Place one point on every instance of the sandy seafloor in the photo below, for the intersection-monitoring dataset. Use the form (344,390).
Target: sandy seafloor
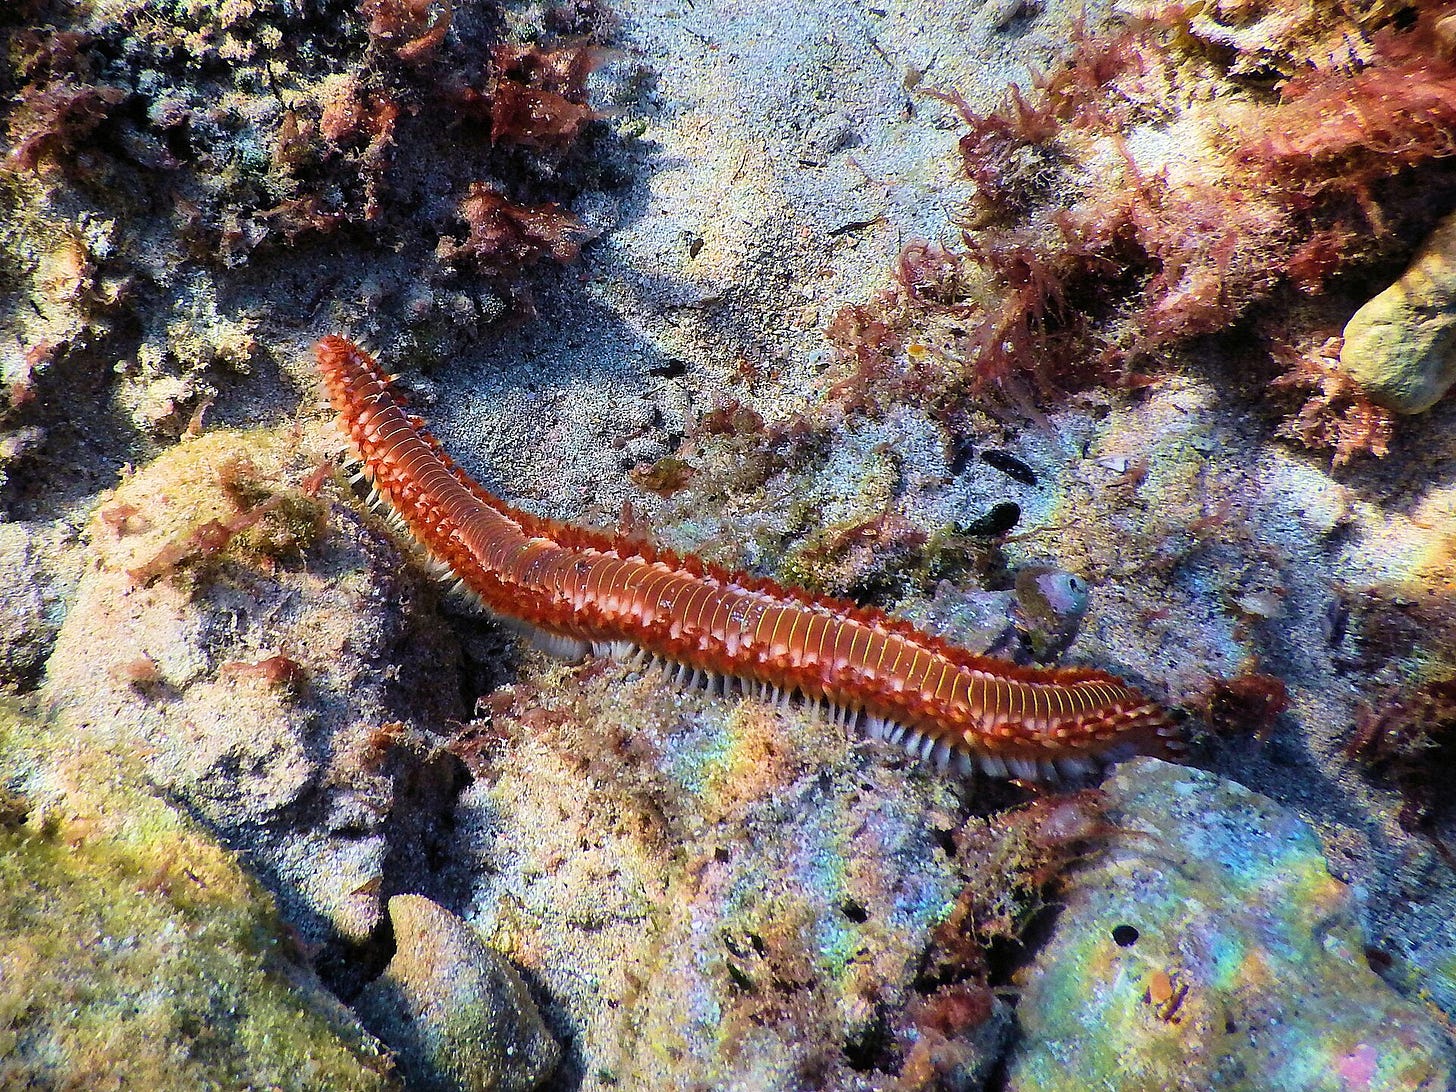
(767,163)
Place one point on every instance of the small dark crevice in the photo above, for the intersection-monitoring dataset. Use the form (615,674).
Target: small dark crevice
(874,1048)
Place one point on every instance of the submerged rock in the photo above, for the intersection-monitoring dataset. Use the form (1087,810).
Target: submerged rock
(261,646)
(456,1012)
(36,576)
(1209,947)
(1401,346)
(715,892)
(136,953)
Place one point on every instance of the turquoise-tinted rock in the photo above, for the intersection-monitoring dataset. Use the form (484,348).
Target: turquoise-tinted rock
(1210,948)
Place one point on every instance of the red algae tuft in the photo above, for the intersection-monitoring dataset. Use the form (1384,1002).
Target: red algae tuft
(1089,256)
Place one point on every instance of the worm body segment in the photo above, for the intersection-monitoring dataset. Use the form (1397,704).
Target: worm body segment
(585,588)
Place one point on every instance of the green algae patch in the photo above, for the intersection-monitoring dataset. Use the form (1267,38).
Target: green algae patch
(137,953)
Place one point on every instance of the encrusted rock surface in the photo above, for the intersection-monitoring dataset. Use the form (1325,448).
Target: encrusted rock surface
(136,952)
(1209,947)
(712,891)
(37,573)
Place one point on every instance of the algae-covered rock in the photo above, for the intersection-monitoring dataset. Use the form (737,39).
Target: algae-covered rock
(1209,948)
(260,644)
(456,1012)
(135,953)
(1401,346)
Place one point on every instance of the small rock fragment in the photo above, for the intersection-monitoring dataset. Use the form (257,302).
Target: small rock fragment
(455,1010)
(1401,346)
(1048,607)
(36,576)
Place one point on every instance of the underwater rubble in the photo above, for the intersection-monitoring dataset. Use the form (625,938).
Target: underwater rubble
(1114,336)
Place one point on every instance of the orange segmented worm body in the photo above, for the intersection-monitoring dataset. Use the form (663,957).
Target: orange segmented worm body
(587,589)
